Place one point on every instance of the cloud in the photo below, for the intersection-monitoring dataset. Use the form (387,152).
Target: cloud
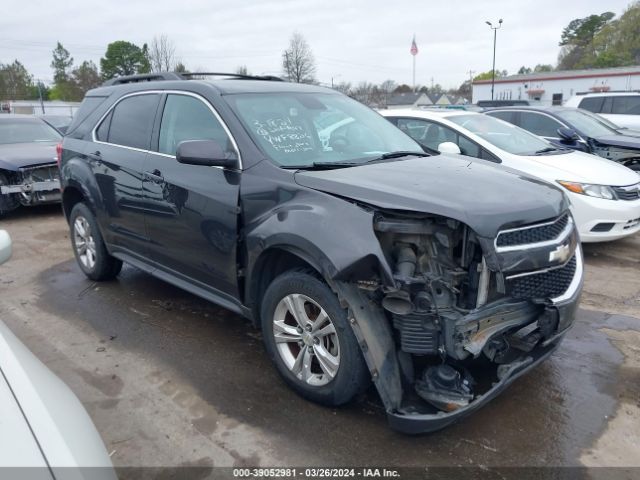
(352,41)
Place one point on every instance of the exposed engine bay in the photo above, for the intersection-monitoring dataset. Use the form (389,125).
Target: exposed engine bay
(29,186)
(452,315)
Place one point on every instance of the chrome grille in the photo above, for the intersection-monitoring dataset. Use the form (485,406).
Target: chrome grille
(545,284)
(630,192)
(533,233)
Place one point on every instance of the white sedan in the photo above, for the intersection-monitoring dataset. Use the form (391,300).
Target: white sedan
(45,432)
(605,196)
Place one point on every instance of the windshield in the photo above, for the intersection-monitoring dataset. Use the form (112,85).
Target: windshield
(26,131)
(303,129)
(503,135)
(585,123)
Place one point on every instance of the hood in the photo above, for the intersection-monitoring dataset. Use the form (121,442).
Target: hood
(17,155)
(624,141)
(481,194)
(583,167)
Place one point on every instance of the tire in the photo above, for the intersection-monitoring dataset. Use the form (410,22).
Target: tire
(337,371)
(635,166)
(88,245)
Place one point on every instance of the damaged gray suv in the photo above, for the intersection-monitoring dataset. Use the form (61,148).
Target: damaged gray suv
(441,278)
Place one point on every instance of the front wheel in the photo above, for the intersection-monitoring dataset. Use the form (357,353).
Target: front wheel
(88,245)
(308,337)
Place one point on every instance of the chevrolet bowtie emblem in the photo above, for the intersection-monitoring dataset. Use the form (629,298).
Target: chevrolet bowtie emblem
(560,254)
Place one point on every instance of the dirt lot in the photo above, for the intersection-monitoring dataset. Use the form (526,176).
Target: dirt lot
(171,380)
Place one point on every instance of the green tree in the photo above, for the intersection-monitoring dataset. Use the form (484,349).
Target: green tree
(487,75)
(524,70)
(61,63)
(123,58)
(578,41)
(15,82)
(84,78)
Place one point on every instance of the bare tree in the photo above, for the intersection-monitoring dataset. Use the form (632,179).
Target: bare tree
(297,60)
(162,54)
(343,87)
(242,70)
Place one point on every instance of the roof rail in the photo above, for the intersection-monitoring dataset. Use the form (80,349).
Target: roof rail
(143,77)
(240,76)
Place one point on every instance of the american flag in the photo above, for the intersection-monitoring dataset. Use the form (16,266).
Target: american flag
(414,47)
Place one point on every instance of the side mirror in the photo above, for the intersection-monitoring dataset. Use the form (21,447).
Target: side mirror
(208,153)
(449,147)
(567,134)
(5,246)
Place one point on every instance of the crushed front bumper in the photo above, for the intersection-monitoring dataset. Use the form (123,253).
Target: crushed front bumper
(34,185)
(563,309)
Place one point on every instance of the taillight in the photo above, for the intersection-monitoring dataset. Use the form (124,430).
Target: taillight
(59,153)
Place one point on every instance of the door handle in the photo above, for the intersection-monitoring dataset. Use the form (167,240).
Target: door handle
(155,176)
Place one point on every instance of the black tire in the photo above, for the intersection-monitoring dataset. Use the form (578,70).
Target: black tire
(105,267)
(352,377)
(635,166)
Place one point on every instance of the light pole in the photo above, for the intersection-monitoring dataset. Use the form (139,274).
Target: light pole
(493,70)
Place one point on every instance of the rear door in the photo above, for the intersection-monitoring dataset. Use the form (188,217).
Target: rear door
(122,141)
(192,210)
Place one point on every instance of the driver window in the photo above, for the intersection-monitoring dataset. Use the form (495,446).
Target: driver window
(188,118)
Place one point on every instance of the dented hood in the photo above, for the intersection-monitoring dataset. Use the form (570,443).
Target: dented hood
(18,155)
(623,141)
(483,195)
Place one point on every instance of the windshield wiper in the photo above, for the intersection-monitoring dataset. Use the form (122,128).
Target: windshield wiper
(351,163)
(545,150)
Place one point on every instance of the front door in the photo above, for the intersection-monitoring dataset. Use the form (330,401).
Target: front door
(191,210)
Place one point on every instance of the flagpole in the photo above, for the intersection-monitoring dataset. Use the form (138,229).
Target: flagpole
(414,73)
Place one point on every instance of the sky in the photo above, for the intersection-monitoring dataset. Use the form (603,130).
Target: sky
(352,40)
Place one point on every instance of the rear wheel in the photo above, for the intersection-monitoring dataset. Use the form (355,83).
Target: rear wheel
(309,339)
(88,246)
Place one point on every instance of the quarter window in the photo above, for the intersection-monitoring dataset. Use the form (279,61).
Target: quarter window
(188,118)
(132,121)
(624,105)
(539,124)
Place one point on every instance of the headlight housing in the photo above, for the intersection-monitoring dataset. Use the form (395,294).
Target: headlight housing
(597,191)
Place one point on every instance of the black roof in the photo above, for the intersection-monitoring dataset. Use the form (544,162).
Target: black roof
(230,86)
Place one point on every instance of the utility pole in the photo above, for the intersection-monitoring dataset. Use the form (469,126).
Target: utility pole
(493,70)
(40,95)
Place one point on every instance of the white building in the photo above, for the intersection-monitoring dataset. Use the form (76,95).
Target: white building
(34,107)
(554,88)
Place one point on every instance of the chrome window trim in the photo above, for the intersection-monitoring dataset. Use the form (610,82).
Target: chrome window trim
(546,243)
(172,92)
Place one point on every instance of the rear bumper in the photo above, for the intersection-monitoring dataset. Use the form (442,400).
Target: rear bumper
(562,308)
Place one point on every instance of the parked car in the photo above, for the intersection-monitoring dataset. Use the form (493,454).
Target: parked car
(576,129)
(500,103)
(59,122)
(622,108)
(440,278)
(28,171)
(45,431)
(605,196)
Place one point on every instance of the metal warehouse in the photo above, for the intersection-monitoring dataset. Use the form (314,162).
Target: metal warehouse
(554,88)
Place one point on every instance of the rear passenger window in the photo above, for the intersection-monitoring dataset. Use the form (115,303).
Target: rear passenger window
(539,124)
(593,104)
(506,116)
(132,121)
(189,118)
(626,105)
